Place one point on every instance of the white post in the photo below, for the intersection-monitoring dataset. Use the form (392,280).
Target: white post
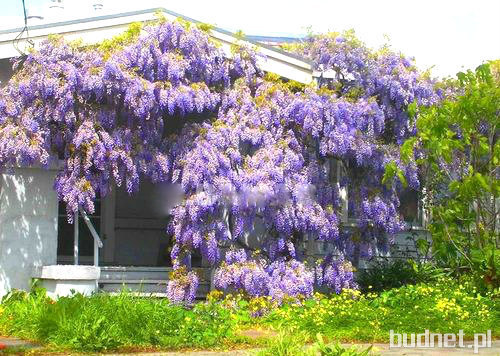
(75,236)
(344,198)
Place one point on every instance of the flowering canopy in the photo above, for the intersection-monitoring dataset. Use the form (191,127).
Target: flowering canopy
(246,148)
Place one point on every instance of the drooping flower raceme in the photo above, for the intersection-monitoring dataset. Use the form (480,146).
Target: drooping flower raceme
(182,286)
(256,278)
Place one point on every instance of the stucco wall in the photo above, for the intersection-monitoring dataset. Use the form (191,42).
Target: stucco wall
(28,225)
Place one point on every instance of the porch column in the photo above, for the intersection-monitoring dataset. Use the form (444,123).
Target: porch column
(28,225)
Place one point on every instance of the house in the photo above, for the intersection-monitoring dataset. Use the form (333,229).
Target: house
(124,241)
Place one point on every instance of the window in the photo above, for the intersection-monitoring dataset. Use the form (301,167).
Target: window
(336,173)
(410,207)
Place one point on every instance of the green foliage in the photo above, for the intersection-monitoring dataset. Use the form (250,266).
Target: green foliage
(442,306)
(104,322)
(286,344)
(386,274)
(461,155)
(391,171)
(339,350)
(109,46)
(205,27)
(291,84)
(109,323)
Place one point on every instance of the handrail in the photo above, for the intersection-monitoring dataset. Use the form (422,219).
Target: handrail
(97,240)
(94,233)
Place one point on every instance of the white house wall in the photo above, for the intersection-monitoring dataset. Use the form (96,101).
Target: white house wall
(28,225)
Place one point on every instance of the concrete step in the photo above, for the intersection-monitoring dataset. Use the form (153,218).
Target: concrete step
(134,281)
(127,273)
(145,287)
(145,281)
(133,275)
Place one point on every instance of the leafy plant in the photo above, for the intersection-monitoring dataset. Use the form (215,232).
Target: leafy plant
(339,350)
(459,156)
(444,305)
(287,344)
(387,273)
(164,103)
(103,322)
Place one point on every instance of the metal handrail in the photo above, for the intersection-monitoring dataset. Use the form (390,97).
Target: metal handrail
(94,233)
(97,240)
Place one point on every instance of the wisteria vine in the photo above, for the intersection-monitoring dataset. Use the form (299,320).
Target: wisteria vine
(260,164)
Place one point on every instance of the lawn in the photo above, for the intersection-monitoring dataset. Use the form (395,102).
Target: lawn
(113,323)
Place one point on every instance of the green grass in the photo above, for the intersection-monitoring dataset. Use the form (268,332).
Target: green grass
(286,344)
(104,323)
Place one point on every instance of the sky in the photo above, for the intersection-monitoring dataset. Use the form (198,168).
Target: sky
(445,35)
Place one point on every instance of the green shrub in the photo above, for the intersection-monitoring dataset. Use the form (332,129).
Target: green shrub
(385,274)
(459,155)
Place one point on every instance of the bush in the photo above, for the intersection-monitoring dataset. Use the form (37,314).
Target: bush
(385,274)
(459,155)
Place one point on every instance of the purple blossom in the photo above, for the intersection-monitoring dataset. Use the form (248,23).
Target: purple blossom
(250,156)
(182,286)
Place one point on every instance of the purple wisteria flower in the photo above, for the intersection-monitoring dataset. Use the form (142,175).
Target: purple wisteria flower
(182,286)
(250,155)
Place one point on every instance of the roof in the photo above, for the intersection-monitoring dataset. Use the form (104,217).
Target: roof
(94,29)
(274,39)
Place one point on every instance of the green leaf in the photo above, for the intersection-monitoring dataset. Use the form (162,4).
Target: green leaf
(412,109)
(402,178)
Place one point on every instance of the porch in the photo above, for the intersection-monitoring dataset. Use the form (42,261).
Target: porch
(126,237)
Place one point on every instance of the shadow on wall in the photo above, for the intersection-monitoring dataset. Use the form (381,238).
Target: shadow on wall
(28,225)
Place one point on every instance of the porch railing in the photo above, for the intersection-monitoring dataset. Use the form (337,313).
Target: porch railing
(93,232)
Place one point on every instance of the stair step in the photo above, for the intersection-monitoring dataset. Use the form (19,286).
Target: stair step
(147,288)
(134,281)
(140,294)
(145,281)
(143,273)
(151,295)
(105,275)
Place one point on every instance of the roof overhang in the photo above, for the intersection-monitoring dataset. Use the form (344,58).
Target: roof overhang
(95,29)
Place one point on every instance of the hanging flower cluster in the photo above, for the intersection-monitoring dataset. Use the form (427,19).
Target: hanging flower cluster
(256,278)
(248,153)
(335,274)
(182,286)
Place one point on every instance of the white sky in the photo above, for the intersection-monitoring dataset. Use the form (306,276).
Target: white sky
(448,34)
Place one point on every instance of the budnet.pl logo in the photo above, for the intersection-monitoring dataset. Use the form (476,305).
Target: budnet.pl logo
(430,340)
